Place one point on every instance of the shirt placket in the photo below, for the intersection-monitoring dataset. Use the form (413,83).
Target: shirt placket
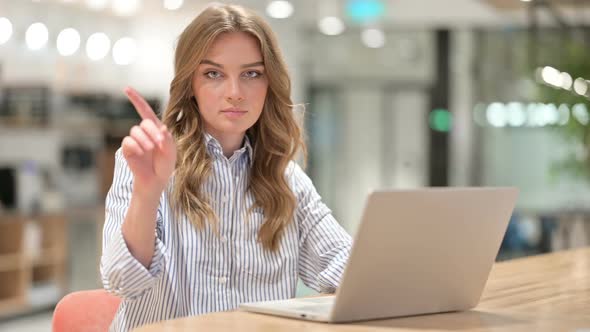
(224,278)
(235,213)
(230,205)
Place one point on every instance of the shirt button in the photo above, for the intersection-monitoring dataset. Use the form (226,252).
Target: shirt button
(224,199)
(223,239)
(222,280)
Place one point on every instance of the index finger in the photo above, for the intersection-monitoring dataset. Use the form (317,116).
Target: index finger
(141,106)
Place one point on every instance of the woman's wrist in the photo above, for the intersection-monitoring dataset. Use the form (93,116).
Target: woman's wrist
(147,192)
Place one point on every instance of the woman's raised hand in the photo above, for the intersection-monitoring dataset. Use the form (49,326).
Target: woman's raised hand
(150,149)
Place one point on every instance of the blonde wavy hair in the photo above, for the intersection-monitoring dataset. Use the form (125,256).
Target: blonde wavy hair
(276,137)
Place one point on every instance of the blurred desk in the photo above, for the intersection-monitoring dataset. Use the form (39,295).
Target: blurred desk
(542,293)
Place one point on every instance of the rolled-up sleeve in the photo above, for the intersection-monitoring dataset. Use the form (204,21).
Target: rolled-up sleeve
(324,246)
(121,273)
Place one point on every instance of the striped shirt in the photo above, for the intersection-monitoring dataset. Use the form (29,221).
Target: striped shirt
(194,272)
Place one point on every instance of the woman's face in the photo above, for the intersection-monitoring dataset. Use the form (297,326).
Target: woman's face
(230,84)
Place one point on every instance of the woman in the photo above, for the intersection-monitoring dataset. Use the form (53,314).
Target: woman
(207,209)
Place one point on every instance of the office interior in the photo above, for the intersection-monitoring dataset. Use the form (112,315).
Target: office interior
(394,94)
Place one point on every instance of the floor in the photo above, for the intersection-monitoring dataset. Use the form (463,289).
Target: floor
(38,322)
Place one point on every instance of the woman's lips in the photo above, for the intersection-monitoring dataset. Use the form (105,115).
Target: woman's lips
(233,112)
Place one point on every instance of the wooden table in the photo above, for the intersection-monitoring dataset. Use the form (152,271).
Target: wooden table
(542,293)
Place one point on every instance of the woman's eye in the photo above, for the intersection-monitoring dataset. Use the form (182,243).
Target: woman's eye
(213,74)
(252,74)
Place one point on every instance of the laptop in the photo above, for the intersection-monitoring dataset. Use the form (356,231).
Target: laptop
(415,252)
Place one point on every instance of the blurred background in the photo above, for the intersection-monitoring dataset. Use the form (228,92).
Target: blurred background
(396,93)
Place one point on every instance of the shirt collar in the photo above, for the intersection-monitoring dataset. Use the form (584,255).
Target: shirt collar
(214,145)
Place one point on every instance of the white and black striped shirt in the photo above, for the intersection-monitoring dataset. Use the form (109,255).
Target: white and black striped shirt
(195,272)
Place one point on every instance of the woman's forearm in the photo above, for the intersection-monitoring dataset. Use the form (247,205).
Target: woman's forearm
(140,224)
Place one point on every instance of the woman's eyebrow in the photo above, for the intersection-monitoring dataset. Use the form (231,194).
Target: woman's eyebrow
(253,64)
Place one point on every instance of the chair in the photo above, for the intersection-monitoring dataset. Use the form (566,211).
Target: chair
(85,311)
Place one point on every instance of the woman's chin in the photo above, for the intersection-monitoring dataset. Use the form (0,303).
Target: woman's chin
(232,128)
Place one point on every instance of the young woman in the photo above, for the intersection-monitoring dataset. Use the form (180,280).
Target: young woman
(207,208)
